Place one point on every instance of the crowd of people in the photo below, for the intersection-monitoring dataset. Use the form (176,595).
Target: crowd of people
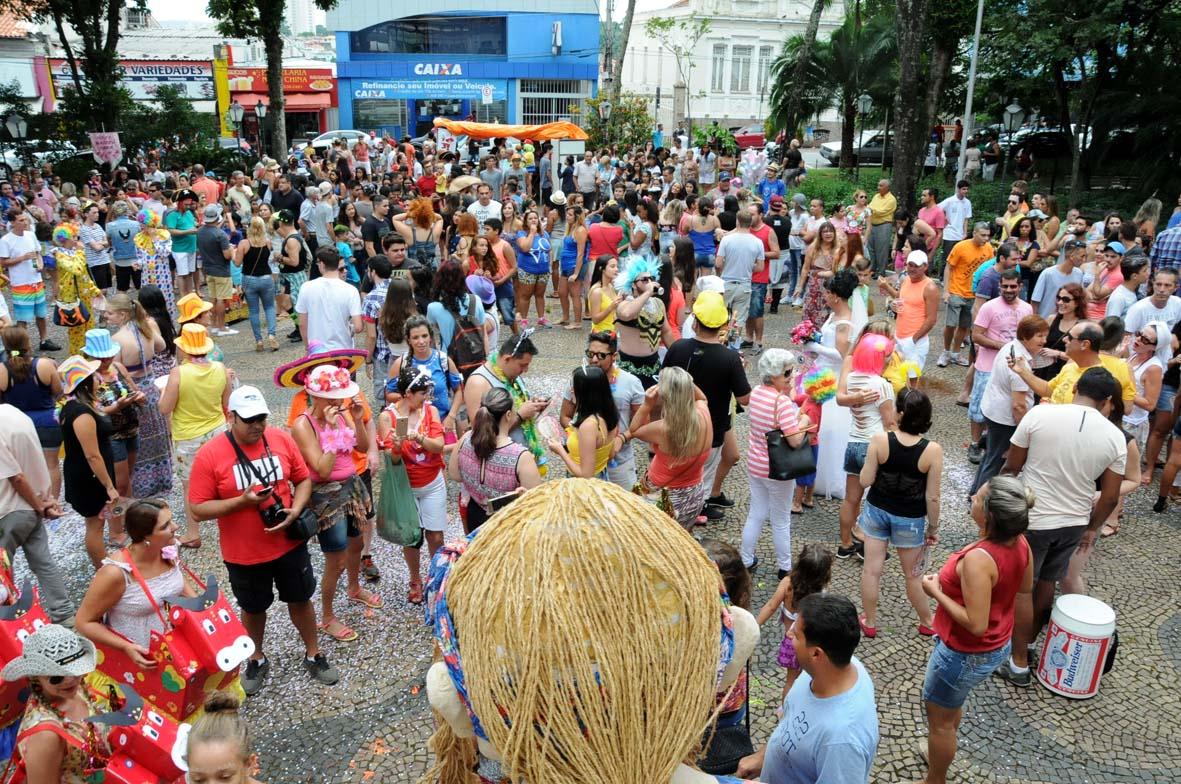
(396,263)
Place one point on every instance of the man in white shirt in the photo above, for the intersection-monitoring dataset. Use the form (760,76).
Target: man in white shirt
(1052,279)
(1060,452)
(586,179)
(740,255)
(957,208)
(20,254)
(707,166)
(329,308)
(240,196)
(1163,305)
(485,206)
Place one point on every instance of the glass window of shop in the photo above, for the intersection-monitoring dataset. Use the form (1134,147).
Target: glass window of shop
(434,35)
(379,113)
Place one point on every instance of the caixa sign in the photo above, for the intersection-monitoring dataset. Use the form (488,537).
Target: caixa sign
(438,69)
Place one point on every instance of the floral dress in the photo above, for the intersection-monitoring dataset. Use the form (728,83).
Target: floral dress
(87,751)
(152,249)
(74,283)
(815,305)
(153,463)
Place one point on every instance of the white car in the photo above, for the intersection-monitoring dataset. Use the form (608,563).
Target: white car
(325,140)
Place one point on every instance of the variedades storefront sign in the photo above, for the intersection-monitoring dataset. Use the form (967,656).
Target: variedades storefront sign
(143,78)
(438,87)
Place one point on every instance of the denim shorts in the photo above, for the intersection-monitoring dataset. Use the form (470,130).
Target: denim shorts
(1165,401)
(902,532)
(758,300)
(979,384)
(704,260)
(121,446)
(855,456)
(335,538)
(951,675)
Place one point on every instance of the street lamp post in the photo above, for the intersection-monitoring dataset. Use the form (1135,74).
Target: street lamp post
(605,108)
(260,111)
(864,105)
(1014,116)
(18,129)
(236,113)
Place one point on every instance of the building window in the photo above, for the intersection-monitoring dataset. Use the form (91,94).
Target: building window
(434,35)
(380,113)
(717,82)
(740,69)
(550,100)
(490,112)
(764,69)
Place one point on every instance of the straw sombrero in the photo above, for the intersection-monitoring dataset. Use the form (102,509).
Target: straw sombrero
(291,375)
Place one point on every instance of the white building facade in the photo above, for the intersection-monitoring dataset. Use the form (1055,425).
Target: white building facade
(730,78)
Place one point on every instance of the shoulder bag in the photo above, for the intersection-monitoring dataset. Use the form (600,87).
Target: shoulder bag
(783,460)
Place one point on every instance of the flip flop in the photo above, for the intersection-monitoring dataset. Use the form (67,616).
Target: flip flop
(342,634)
(191,544)
(367,598)
(1109,530)
(572,326)
(797,511)
(807,506)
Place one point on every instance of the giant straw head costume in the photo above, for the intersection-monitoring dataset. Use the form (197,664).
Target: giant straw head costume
(585,637)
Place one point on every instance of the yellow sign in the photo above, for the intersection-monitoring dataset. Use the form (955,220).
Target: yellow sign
(221,85)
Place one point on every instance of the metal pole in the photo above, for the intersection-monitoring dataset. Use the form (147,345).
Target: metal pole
(860,142)
(971,90)
(886,141)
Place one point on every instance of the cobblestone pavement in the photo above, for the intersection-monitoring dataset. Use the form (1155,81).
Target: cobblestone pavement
(374,725)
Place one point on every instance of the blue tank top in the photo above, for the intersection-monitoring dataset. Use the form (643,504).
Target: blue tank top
(569,254)
(31,397)
(436,363)
(704,243)
(536,261)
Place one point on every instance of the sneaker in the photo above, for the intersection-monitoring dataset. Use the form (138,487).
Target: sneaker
(785,299)
(746,344)
(754,566)
(369,569)
(713,513)
(226,332)
(847,552)
(944,358)
(1006,673)
(975,454)
(320,670)
(254,675)
(756,350)
(720,500)
(797,303)
(49,345)
(960,360)
(543,323)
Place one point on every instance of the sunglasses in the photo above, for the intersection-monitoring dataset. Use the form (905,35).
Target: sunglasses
(598,355)
(645,279)
(1014,202)
(254,420)
(1065,299)
(1145,338)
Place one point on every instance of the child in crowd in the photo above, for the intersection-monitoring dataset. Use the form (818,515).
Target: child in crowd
(344,247)
(812,387)
(809,574)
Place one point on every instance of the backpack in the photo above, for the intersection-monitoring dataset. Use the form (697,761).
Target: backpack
(467,344)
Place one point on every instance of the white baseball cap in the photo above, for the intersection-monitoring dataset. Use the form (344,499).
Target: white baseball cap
(248,402)
(710,283)
(918,258)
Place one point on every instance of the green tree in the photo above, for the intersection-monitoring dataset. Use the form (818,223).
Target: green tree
(261,20)
(629,125)
(679,36)
(93,57)
(796,85)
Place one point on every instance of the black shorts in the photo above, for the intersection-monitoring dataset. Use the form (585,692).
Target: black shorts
(291,573)
(1052,551)
(50,437)
(101,275)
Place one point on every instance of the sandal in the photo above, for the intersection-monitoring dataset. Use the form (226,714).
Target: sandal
(1109,530)
(807,506)
(342,633)
(414,596)
(572,326)
(797,510)
(191,544)
(367,598)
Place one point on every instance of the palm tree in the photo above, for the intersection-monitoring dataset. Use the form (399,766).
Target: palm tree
(838,70)
(795,94)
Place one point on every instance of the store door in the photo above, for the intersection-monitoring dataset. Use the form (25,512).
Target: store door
(425,112)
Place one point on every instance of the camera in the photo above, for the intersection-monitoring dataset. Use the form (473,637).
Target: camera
(273,514)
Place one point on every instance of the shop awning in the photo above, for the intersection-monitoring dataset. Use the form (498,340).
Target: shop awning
(296,102)
(547,131)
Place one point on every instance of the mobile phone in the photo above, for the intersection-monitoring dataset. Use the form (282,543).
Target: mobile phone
(501,501)
(264,492)
(401,426)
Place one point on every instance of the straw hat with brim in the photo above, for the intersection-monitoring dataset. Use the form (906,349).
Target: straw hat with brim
(194,340)
(99,345)
(292,374)
(558,198)
(75,370)
(462,183)
(49,651)
(191,306)
(330,383)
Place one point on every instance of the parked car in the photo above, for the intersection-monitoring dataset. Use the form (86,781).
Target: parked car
(750,136)
(325,140)
(831,151)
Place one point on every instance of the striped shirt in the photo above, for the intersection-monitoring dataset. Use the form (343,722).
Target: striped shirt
(769,409)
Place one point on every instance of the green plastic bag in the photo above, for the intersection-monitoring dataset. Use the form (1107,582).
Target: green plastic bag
(397,513)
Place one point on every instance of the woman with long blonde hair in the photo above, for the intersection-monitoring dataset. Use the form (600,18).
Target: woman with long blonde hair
(253,256)
(680,441)
(821,258)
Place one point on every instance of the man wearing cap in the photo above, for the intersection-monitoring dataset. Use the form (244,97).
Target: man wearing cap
(1052,279)
(881,230)
(718,373)
(378,361)
(26,499)
(771,186)
(236,486)
(182,226)
(958,296)
(916,302)
(720,191)
(740,256)
(214,251)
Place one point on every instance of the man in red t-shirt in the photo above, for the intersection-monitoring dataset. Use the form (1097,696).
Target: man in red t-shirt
(236,491)
(760,280)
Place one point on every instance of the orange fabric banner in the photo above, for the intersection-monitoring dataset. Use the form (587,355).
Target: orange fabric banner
(548,131)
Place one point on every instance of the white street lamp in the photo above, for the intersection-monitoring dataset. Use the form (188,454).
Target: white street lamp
(17,127)
(1014,116)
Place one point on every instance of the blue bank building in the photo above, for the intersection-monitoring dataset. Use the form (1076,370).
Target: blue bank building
(511,61)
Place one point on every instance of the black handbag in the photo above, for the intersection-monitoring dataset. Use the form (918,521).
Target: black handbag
(785,461)
(303,527)
(729,744)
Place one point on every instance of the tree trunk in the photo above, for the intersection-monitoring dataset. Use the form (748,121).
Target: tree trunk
(942,53)
(805,56)
(910,22)
(625,33)
(273,42)
(848,123)
(1062,96)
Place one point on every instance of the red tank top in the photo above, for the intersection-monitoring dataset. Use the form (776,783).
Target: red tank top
(762,233)
(1011,561)
(604,240)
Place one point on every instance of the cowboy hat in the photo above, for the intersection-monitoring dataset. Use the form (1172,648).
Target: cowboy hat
(292,374)
(49,651)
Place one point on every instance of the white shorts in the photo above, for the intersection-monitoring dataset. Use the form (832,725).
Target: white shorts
(186,263)
(915,352)
(432,504)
